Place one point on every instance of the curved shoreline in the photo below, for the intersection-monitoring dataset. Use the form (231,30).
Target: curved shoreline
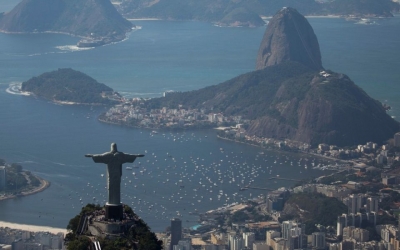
(283,151)
(107,40)
(16,90)
(43,185)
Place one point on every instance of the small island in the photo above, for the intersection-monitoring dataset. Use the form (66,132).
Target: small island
(68,86)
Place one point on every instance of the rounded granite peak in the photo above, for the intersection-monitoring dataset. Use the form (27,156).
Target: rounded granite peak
(289,37)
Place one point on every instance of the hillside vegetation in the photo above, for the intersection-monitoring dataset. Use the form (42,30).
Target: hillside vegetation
(68,85)
(313,209)
(292,101)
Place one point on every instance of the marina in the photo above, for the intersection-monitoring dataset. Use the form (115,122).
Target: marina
(50,139)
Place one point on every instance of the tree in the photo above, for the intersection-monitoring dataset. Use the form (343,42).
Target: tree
(16,168)
(239,216)
(80,243)
(73,223)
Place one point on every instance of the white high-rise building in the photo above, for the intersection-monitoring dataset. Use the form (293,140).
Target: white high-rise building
(271,235)
(318,240)
(249,239)
(184,244)
(238,243)
(341,223)
(260,246)
(286,227)
(56,242)
(397,139)
(290,229)
(3,180)
(373,204)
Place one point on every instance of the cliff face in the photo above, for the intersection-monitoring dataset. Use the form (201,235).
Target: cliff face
(88,18)
(289,37)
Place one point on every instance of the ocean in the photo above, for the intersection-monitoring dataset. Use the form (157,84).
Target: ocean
(50,140)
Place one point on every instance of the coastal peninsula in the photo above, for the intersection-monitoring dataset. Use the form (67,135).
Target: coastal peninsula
(97,22)
(17,182)
(68,86)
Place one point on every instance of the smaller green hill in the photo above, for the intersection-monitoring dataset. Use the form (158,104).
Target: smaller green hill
(313,208)
(70,86)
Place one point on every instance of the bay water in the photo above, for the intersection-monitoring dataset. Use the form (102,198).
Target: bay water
(182,172)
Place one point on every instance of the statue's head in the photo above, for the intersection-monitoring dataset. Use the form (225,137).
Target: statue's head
(114,147)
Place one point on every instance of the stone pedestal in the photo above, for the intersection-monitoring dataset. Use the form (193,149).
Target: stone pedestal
(114,212)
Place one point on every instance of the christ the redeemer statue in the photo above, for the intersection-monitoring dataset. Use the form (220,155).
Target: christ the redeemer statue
(114,160)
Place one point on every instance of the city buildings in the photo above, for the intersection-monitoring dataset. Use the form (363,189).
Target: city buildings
(176,232)
(184,244)
(14,239)
(249,239)
(318,240)
(397,139)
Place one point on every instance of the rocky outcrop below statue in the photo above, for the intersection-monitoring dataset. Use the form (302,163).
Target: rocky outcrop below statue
(289,37)
(225,12)
(91,230)
(68,86)
(95,20)
(294,98)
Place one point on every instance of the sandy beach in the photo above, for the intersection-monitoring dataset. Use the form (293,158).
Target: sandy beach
(144,19)
(33,228)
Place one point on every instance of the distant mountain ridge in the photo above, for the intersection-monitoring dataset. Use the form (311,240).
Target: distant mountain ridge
(292,99)
(92,19)
(219,11)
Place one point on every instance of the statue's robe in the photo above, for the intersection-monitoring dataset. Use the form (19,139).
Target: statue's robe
(114,161)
